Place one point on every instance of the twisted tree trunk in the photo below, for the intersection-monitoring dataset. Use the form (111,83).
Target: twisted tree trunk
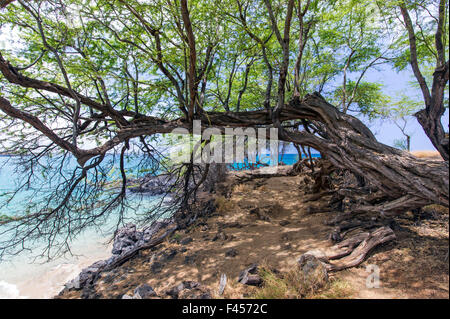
(407,181)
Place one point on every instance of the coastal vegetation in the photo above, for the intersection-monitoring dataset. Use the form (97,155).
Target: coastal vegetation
(92,91)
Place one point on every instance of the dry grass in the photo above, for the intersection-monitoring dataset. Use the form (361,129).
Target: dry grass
(336,289)
(274,287)
(427,154)
(437,208)
(242,188)
(293,285)
(224,205)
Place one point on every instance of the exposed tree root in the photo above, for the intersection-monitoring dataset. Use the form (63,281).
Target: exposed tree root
(352,251)
(357,255)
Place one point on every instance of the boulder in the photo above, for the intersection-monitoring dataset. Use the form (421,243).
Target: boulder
(313,270)
(126,237)
(189,290)
(144,291)
(86,276)
(249,276)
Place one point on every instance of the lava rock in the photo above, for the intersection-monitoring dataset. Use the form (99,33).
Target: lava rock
(284,222)
(126,237)
(88,292)
(189,290)
(186,241)
(313,270)
(153,185)
(249,276)
(86,276)
(144,291)
(231,252)
(190,259)
(156,267)
(155,227)
(168,255)
(261,214)
(220,235)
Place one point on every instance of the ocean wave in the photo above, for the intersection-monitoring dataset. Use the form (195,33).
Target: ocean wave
(9,291)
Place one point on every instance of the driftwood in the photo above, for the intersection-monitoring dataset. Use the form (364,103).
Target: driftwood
(223,283)
(378,237)
(345,247)
(352,252)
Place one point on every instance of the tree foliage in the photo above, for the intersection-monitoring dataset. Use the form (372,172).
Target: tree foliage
(91,79)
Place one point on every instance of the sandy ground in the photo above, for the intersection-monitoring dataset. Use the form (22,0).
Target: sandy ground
(427,154)
(413,266)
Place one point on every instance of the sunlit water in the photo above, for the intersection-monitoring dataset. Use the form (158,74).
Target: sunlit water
(24,277)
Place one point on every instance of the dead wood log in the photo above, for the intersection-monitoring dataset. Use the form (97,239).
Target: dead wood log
(345,247)
(223,283)
(358,254)
(352,252)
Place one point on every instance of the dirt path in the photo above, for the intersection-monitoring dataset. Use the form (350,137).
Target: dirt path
(265,221)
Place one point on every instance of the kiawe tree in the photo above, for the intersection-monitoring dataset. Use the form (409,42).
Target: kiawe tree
(426,46)
(117,74)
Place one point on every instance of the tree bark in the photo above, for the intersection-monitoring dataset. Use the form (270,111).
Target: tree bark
(409,182)
(352,252)
(430,117)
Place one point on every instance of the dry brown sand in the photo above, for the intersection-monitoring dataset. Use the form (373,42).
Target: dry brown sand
(413,266)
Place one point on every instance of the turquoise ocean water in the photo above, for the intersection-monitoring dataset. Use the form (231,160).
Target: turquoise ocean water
(24,277)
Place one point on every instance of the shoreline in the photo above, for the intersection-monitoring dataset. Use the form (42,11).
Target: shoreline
(23,279)
(258,223)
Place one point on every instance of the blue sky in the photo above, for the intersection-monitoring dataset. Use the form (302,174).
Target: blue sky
(394,84)
(386,131)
